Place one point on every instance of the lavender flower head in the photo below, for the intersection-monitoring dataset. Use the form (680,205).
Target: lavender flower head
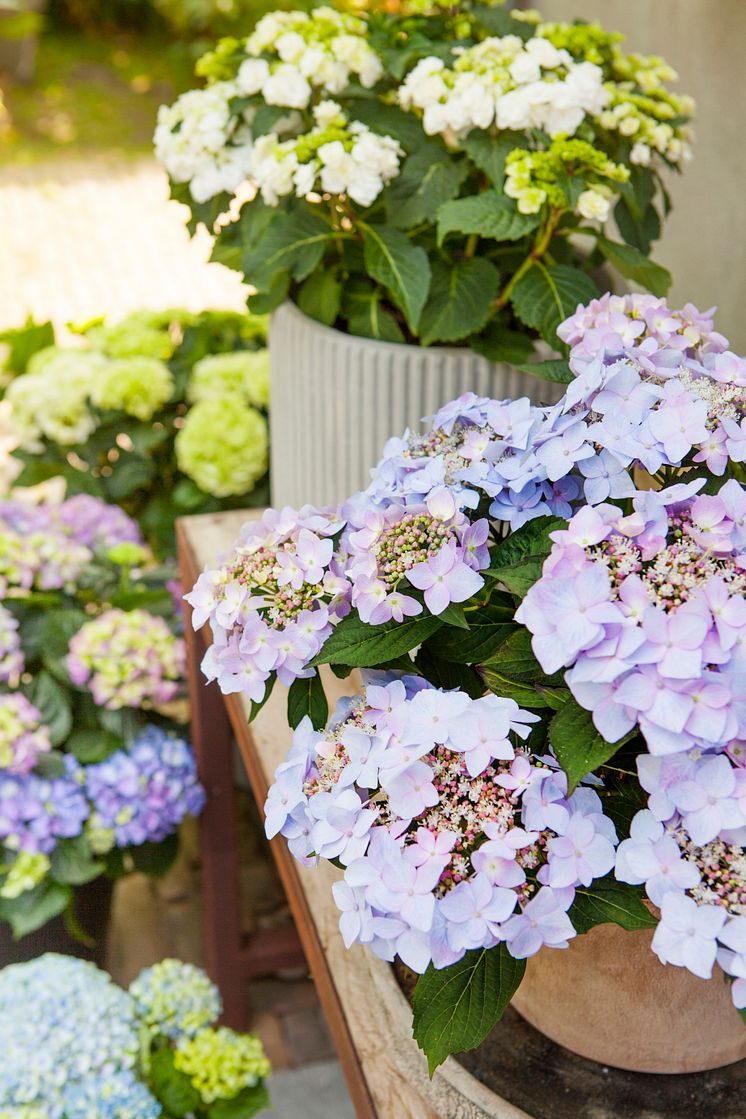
(35,812)
(11,653)
(35,551)
(127,659)
(275,601)
(452,834)
(142,794)
(96,524)
(24,736)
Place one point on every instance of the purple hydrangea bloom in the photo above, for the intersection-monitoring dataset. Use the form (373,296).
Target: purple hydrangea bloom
(142,794)
(36,812)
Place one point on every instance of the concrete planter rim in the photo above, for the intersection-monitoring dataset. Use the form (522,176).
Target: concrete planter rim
(378,344)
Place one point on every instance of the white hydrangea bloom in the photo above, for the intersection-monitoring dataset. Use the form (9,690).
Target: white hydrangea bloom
(593,205)
(286,86)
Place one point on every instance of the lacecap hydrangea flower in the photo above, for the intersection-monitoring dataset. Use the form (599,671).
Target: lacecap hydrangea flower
(11,653)
(139,386)
(223,445)
(175,999)
(241,373)
(24,736)
(143,793)
(127,659)
(452,834)
(274,603)
(221,1063)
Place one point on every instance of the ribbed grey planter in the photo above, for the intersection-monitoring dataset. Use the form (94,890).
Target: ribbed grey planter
(336,399)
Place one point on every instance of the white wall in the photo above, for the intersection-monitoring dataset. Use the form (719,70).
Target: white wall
(705,236)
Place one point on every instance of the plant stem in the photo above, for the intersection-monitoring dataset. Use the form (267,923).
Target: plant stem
(471,245)
(542,243)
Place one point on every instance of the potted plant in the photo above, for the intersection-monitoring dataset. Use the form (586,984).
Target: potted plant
(95,773)
(132,414)
(148,1052)
(421,198)
(547,603)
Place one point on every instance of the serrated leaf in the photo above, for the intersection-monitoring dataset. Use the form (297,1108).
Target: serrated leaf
(500,344)
(307,697)
(448,674)
(456,1007)
(460,300)
(638,231)
(429,177)
(320,297)
(515,659)
(266,300)
(173,1088)
(294,242)
(388,120)
(91,746)
(557,371)
(548,294)
(359,645)
(490,152)
(499,21)
(245,1105)
(635,265)
(578,746)
(402,268)
(607,901)
(489,214)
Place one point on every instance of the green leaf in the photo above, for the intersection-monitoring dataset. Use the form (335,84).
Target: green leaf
(256,707)
(518,561)
(743,1014)
(548,294)
(454,615)
(355,643)
(173,1088)
(265,119)
(51,699)
(638,231)
(499,21)
(388,120)
(246,1104)
(50,766)
(307,697)
(35,908)
(460,300)
(447,674)
(579,747)
(271,296)
(489,153)
(500,344)
(402,268)
(91,746)
(489,214)
(141,598)
(129,475)
(557,371)
(428,178)
(320,297)
(293,242)
(155,859)
(525,695)
(635,265)
(488,628)
(366,318)
(73,862)
(456,1007)
(515,659)
(24,341)
(607,901)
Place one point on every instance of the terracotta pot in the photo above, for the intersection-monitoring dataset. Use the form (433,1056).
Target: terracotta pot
(608,998)
(336,399)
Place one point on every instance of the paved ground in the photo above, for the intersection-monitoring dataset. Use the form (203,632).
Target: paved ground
(85,238)
(315,1092)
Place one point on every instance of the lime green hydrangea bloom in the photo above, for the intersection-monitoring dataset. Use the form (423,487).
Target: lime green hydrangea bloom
(139,386)
(223,446)
(26,872)
(535,178)
(50,401)
(243,373)
(221,1063)
(139,335)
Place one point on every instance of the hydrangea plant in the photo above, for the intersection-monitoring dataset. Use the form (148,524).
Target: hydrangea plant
(79,1046)
(435,175)
(133,414)
(95,773)
(547,604)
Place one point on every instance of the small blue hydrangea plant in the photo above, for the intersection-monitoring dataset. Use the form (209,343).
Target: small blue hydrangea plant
(76,1046)
(547,604)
